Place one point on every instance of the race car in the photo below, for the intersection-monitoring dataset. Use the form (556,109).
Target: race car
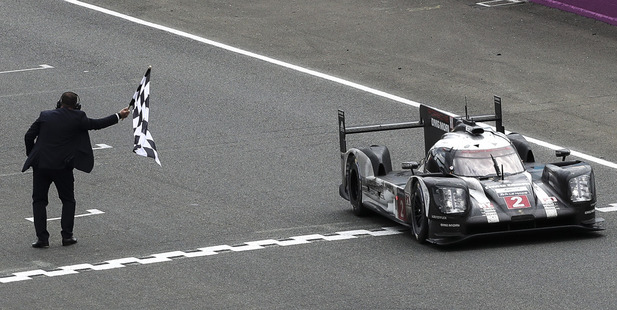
(473,181)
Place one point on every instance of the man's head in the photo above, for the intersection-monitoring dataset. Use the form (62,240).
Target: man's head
(70,100)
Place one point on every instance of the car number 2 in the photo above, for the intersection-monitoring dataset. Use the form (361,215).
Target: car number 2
(517,202)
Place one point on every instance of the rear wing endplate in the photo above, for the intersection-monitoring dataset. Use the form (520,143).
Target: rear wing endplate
(434,121)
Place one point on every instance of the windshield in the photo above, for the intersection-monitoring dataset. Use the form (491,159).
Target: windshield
(485,163)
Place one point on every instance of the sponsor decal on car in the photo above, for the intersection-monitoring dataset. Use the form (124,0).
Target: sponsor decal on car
(449,225)
(486,207)
(440,125)
(512,191)
(548,202)
(490,212)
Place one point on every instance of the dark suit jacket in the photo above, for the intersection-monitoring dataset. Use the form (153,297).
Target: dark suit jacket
(62,139)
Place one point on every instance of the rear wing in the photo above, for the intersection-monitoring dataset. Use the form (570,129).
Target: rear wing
(434,121)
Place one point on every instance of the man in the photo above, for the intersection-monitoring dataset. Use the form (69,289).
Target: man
(62,143)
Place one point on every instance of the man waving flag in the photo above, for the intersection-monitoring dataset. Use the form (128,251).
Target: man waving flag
(144,144)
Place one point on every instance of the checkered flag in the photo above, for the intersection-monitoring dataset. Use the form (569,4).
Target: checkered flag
(144,145)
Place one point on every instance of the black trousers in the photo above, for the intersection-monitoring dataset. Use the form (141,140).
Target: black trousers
(65,184)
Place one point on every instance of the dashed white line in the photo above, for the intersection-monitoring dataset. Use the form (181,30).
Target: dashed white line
(200,252)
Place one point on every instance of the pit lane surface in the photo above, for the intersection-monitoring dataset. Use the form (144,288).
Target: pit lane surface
(249,152)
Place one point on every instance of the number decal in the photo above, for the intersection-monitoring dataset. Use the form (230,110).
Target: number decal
(400,206)
(517,202)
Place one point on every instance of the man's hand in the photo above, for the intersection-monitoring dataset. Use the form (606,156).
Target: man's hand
(124,113)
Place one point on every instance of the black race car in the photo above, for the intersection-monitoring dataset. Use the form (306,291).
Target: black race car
(474,180)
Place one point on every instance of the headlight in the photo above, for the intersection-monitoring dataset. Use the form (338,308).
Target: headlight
(451,200)
(581,188)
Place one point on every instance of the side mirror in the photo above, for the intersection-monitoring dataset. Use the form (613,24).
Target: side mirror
(411,165)
(563,153)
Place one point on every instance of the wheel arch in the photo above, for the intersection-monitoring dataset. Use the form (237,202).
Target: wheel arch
(418,221)
(356,157)
(425,193)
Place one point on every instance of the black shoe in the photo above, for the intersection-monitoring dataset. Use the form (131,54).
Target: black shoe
(40,244)
(69,241)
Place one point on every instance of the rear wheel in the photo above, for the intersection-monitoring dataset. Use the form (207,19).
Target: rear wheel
(419,222)
(354,188)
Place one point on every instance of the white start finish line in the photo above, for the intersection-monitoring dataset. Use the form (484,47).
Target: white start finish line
(201,252)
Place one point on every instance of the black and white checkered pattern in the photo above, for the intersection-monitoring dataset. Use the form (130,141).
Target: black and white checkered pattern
(201,252)
(144,144)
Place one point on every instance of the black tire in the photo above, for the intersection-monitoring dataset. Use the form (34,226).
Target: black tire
(419,222)
(354,188)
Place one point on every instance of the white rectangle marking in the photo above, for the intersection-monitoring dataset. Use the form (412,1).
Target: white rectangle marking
(101,146)
(90,212)
(494,3)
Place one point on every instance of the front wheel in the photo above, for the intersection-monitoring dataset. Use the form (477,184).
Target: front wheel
(354,187)
(419,222)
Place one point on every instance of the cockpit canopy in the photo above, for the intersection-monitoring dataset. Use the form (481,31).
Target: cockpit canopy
(485,154)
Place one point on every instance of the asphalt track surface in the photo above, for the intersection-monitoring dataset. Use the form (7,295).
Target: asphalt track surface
(244,212)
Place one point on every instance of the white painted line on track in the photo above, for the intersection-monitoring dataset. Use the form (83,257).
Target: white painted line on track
(90,212)
(494,3)
(100,146)
(309,72)
(40,67)
(584,156)
(15,173)
(201,252)
(612,208)
(246,53)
